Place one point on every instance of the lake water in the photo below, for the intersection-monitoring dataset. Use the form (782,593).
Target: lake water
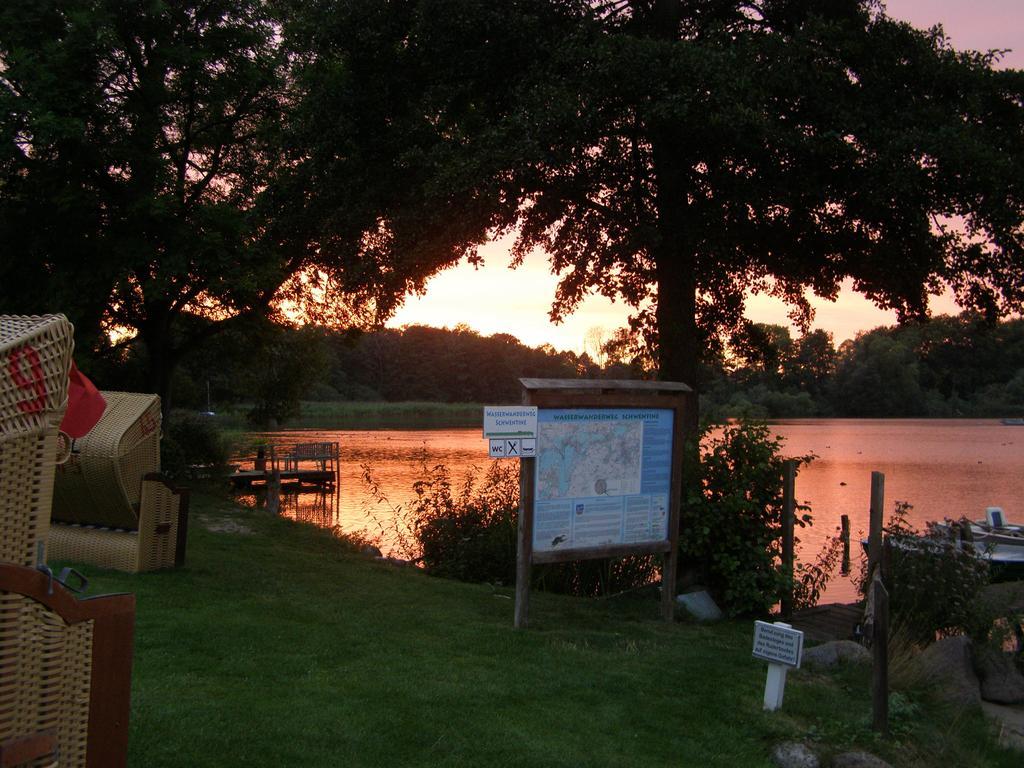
(944,468)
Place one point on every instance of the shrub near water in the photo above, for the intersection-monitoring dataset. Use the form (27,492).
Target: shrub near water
(470,533)
(190,440)
(730,532)
(935,585)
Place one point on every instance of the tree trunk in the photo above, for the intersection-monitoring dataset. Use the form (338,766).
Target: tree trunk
(161,358)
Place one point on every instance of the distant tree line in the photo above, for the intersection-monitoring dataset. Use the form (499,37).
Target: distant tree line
(949,366)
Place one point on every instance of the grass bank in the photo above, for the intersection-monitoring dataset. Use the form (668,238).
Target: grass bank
(279,645)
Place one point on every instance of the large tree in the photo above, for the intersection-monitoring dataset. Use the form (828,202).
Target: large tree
(704,150)
(681,155)
(138,142)
(171,168)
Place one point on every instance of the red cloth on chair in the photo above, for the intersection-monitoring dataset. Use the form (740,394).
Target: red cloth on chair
(85,405)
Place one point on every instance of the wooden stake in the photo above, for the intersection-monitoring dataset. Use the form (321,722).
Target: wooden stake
(844,536)
(877,509)
(880,668)
(788,522)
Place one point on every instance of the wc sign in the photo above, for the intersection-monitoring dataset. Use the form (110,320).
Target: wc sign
(513,448)
(511,430)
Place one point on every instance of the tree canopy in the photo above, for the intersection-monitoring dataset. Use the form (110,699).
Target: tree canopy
(681,155)
(167,167)
(170,169)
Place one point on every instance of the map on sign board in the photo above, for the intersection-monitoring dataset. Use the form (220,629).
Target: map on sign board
(603,477)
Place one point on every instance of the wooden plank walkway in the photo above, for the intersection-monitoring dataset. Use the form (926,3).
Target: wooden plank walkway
(247,478)
(834,621)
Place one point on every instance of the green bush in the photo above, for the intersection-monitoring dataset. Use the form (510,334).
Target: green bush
(189,441)
(934,584)
(731,525)
(468,533)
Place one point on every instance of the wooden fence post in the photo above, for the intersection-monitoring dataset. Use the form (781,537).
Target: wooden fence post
(274,485)
(788,521)
(877,509)
(844,535)
(880,653)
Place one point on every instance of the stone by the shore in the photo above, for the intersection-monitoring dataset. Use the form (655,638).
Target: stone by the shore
(370,550)
(699,604)
(1001,681)
(948,666)
(830,655)
(793,754)
(858,760)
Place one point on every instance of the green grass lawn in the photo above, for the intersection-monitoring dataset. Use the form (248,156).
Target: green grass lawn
(283,647)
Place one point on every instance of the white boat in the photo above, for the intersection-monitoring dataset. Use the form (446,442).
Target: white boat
(999,541)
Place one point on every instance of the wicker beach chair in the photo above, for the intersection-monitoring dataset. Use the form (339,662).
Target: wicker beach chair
(65,664)
(35,357)
(111,506)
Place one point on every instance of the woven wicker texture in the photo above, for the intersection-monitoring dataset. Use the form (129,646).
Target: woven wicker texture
(151,547)
(35,357)
(35,354)
(105,547)
(47,667)
(101,483)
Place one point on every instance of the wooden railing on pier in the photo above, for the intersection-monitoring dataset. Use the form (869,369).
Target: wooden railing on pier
(315,463)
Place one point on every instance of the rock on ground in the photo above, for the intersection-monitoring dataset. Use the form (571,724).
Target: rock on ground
(700,605)
(858,760)
(832,654)
(224,525)
(948,666)
(1001,681)
(793,754)
(1010,721)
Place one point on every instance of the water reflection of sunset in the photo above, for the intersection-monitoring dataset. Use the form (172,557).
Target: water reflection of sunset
(924,462)
(393,460)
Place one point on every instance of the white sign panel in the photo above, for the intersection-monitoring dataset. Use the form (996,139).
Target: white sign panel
(510,421)
(778,643)
(513,448)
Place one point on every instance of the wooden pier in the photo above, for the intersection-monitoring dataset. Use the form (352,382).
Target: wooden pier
(835,621)
(302,463)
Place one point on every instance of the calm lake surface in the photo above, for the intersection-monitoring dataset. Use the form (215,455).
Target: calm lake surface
(944,468)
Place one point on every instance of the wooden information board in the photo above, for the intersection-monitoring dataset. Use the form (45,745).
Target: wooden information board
(606,477)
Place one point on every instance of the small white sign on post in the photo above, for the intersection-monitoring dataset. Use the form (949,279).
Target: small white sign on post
(783,647)
(519,421)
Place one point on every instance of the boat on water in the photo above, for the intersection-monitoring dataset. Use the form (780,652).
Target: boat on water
(993,538)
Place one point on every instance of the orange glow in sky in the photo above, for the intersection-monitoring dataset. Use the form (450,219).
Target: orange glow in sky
(495,299)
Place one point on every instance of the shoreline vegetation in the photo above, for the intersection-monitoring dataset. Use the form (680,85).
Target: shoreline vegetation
(279,643)
(314,377)
(369,414)
(365,414)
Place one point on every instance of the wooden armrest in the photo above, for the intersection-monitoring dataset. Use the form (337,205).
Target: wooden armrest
(23,749)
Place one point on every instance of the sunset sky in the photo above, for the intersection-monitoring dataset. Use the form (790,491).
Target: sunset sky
(495,299)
